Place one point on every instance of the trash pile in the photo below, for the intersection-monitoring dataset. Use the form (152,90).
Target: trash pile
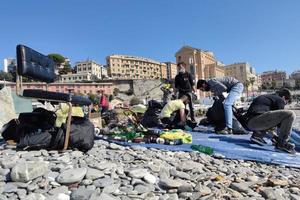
(124,126)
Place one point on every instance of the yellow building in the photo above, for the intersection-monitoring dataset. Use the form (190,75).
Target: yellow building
(133,67)
(171,70)
(243,72)
(201,64)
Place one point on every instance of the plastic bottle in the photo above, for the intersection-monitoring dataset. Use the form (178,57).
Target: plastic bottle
(203,149)
(160,141)
(173,142)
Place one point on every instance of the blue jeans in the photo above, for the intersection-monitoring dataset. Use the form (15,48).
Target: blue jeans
(234,93)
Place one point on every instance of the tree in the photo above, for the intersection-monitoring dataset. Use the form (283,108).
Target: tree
(273,85)
(247,83)
(57,58)
(297,86)
(252,81)
(6,76)
(61,61)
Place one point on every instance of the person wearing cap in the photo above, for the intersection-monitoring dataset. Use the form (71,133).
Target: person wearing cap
(266,112)
(184,85)
(218,86)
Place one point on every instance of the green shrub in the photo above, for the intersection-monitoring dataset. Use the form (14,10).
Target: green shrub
(134,101)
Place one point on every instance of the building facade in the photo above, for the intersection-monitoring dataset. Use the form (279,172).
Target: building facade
(269,78)
(9,64)
(78,88)
(85,71)
(296,75)
(171,70)
(242,72)
(201,64)
(133,67)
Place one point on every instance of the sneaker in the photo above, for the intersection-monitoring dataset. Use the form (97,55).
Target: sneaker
(225,131)
(258,140)
(287,147)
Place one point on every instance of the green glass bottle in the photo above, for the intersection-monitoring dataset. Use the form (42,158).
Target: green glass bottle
(203,149)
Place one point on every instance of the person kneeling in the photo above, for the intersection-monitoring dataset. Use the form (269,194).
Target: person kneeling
(266,112)
(173,115)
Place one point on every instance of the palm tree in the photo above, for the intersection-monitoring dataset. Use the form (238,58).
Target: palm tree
(252,81)
(246,84)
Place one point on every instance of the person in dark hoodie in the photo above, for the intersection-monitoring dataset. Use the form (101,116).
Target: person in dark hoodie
(266,112)
(184,85)
(218,86)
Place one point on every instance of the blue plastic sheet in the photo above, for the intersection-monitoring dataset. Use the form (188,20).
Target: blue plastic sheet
(237,147)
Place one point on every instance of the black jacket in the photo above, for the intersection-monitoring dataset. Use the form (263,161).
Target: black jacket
(265,103)
(184,82)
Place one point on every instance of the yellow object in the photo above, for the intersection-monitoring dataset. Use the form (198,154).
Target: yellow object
(177,134)
(219,178)
(62,114)
(171,107)
(138,108)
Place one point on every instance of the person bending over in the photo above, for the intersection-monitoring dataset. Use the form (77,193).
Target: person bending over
(265,113)
(218,86)
(173,115)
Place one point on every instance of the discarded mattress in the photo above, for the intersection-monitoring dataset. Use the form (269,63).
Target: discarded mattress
(235,147)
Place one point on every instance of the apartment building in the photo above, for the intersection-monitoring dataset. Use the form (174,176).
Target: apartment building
(243,72)
(85,71)
(133,67)
(171,70)
(269,78)
(201,64)
(9,64)
(296,75)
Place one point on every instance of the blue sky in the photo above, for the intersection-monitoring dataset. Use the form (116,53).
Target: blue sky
(265,33)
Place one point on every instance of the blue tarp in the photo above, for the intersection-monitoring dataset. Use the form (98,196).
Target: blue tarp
(237,147)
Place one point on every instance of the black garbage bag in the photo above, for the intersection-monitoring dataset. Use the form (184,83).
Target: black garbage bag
(216,116)
(151,116)
(38,120)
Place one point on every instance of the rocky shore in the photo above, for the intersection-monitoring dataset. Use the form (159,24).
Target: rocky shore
(110,171)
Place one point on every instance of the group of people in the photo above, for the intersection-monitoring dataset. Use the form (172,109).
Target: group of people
(266,112)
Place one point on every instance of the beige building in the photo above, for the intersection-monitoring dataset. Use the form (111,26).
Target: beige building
(296,75)
(132,67)
(270,78)
(85,71)
(71,78)
(171,70)
(243,72)
(89,66)
(201,64)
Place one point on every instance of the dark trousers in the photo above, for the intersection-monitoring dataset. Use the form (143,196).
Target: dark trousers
(191,108)
(278,118)
(173,121)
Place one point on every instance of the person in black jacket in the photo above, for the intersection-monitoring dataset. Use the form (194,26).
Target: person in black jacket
(266,112)
(184,85)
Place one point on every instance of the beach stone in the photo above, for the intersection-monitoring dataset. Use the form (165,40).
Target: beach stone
(137,173)
(71,176)
(93,174)
(144,188)
(149,178)
(103,182)
(105,196)
(111,188)
(59,190)
(82,194)
(60,196)
(169,183)
(26,171)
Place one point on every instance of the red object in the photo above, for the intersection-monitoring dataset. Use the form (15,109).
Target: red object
(103,101)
